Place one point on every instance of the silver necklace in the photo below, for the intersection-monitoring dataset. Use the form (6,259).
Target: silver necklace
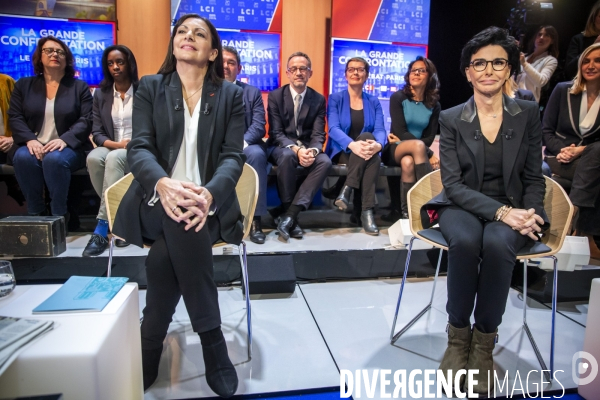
(186,99)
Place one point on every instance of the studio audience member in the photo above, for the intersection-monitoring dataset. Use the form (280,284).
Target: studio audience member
(572,139)
(356,136)
(255,148)
(492,202)
(7,85)
(186,164)
(111,131)
(296,137)
(582,41)
(414,111)
(51,119)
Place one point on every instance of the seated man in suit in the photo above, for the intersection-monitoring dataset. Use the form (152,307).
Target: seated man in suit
(254,147)
(296,136)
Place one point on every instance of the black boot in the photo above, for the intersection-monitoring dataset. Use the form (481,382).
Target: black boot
(395,204)
(422,169)
(150,363)
(368,222)
(256,234)
(332,191)
(220,372)
(404,188)
(343,198)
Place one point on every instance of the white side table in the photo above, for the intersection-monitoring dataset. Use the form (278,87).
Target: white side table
(86,356)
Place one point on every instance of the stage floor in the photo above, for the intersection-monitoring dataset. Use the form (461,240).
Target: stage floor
(302,341)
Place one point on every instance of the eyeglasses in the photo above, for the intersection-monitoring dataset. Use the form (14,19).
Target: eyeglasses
(48,51)
(418,71)
(498,64)
(352,70)
(303,70)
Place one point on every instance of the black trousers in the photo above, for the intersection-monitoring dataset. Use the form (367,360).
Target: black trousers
(287,161)
(179,264)
(362,174)
(585,189)
(481,259)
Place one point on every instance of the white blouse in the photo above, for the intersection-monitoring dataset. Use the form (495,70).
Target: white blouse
(48,131)
(121,114)
(535,75)
(587,118)
(186,166)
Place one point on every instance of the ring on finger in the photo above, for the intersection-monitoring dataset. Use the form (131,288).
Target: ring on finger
(173,209)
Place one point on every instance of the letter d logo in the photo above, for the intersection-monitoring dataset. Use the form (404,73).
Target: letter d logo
(584,368)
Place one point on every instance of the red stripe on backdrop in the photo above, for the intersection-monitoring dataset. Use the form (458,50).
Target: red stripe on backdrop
(276,22)
(353,20)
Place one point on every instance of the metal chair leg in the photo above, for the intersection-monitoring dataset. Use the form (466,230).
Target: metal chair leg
(244,265)
(395,337)
(548,372)
(110,256)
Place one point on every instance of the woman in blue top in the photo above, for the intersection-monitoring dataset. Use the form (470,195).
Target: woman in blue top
(356,136)
(414,111)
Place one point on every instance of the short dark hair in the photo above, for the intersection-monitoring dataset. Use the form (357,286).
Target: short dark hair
(233,51)
(358,59)
(215,72)
(298,54)
(553,33)
(492,36)
(432,88)
(132,71)
(36,59)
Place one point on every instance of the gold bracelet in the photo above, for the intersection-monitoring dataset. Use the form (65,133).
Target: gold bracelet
(498,213)
(505,212)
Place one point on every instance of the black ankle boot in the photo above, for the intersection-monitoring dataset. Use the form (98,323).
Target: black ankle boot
(332,191)
(220,372)
(343,198)
(404,188)
(368,222)
(150,363)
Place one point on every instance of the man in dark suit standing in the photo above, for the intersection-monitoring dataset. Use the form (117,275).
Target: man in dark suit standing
(254,147)
(296,136)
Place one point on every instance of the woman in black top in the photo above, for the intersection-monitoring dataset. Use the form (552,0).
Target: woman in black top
(492,202)
(582,41)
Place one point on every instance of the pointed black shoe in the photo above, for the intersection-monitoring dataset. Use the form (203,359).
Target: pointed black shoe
(296,232)
(256,234)
(332,192)
(368,222)
(150,363)
(220,372)
(121,243)
(286,223)
(343,199)
(95,246)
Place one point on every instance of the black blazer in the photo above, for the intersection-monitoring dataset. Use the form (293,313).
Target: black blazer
(254,114)
(282,128)
(158,124)
(72,111)
(462,160)
(561,121)
(103,126)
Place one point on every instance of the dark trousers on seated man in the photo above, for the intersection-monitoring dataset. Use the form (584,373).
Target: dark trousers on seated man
(294,201)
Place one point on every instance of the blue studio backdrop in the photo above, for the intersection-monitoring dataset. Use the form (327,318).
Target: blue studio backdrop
(404,21)
(87,40)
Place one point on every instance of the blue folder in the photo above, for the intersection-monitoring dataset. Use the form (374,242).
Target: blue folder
(82,294)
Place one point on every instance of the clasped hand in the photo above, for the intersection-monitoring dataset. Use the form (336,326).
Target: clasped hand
(37,149)
(527,222)
(185,202)
(568,154)
(305,157)
(365,149)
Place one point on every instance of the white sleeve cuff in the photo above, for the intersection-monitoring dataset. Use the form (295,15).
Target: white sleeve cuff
(155,197)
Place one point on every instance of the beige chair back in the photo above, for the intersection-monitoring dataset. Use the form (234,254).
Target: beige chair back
(427,188)
(113,196)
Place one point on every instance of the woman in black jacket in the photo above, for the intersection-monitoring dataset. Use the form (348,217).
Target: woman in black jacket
(186,156)
(582,41)
(572,139)
(492,202)
(51,119)
(111,131)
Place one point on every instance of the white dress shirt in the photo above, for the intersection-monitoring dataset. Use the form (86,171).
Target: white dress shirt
(186,166)
(121,114)
(48,131)
(299,107)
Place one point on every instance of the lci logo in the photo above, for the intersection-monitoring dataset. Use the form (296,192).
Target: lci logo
(584,368)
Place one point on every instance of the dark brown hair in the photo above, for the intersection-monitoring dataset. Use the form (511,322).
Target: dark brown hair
(432,88)
(358,59)
(215,72)
(132,70)
(553,33)
(38,67)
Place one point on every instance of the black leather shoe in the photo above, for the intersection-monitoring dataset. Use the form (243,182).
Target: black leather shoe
(368,222)
(220,372)
(286,223)
(121,243)
(150,363)
(392,216)
(296,232)
(333,191)
(256,234)
(404,215)
(95,246)
(343,199)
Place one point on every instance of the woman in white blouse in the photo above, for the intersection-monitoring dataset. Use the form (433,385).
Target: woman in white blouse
(113,104)
(571,130)
(538,66)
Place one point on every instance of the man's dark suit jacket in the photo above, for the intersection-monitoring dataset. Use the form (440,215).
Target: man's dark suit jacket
(282,128)
(254,114)
(103,126)
(158,125)
(561,121)
(462,160)
(72,111)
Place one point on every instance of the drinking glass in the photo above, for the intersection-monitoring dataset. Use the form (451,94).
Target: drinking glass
(7,279)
